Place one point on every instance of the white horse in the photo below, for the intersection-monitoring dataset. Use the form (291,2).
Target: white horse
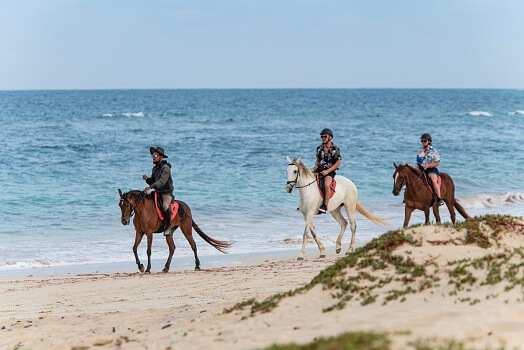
(346,195)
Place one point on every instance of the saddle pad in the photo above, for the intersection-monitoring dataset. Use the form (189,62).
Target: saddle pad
(320,185)
(174,209)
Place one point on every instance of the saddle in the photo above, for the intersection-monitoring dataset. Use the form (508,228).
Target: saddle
(158,206)
(429,183)
(320,185)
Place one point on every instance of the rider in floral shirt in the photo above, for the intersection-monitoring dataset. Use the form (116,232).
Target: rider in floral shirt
(428,159)
(328,160)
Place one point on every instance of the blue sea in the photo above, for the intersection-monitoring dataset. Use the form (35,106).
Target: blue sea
(65,154)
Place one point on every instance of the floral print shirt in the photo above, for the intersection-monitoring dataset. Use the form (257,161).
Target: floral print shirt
(327,159)
(425,158)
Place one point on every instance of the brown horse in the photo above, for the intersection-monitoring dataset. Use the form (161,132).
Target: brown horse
(418,195)
(146,222)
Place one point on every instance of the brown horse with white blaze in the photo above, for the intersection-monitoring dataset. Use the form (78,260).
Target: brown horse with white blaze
(146,222)
(418,196)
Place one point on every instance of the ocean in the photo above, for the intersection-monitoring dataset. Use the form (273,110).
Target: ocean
(65,154)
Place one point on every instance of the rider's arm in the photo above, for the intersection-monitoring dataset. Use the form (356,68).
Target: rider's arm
(433,165)
(164,176)
(334,167)
(316,165)
(150,180)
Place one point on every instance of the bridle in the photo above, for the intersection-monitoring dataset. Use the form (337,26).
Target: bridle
(294,182)
(133,208)
(404,180)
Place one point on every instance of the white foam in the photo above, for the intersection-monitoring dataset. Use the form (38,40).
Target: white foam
(518,111)
(480,113)
(127,114)
(481,201)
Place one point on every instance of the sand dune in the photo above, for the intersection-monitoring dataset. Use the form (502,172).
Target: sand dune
(464,283)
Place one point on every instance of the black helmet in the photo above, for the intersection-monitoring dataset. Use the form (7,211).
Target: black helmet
(326,131)
(426,136)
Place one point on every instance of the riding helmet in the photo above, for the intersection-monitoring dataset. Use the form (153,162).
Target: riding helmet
(426,136)
(326,131)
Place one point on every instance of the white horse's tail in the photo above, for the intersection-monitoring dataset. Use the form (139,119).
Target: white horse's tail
(369,216)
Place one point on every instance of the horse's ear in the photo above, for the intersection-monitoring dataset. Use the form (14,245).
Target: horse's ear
(120,193)
(299,160)
(288,160)
(395,164)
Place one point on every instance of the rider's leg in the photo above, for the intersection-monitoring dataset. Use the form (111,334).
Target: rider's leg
(166,206)
(434,179)
(327,189)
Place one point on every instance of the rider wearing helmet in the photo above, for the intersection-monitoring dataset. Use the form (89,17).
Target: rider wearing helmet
(328,160)
(162,182)
(428,159)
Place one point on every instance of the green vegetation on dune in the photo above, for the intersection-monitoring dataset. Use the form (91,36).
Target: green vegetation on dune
(358,276)
(377,341)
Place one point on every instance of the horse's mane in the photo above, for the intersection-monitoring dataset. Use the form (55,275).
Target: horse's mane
(136,195)
(302,168)
(412,169)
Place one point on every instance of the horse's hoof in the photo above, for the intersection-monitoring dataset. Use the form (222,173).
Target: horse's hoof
(347,253)
(147,271)
(338,250)
(197,268)
(300,258)
(165,270)
(141,268)
(322,256)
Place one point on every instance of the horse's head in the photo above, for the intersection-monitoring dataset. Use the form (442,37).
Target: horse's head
(126,207)
(292,173)
(400,178)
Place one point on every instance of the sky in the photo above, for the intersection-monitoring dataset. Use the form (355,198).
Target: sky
(131,44)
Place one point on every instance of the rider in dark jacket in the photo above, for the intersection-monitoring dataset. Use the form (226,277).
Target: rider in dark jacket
(162,182)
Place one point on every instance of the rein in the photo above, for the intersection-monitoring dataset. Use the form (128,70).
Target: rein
(133,208)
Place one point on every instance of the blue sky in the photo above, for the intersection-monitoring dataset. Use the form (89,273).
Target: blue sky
(105,44)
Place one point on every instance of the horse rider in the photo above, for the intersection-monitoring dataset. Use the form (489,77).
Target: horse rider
(162,182)
(428,160)
(328,160)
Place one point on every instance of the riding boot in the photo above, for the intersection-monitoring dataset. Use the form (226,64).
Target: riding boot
(323,208)
(167,222)
(440,202)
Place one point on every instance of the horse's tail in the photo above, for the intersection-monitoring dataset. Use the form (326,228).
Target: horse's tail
(460,209)
(219,245)
(369,216)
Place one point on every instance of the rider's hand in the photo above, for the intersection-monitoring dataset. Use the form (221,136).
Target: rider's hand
(144,177)
(324,173)
(147,189)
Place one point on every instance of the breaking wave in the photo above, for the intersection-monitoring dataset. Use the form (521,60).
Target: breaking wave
(518,111)
(128,115)
(480,113)
(481,201)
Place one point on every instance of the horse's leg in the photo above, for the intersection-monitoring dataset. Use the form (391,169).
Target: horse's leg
(426,214)
(187,230)
(301,257)
(138,239)
(436,213)
(314,234)
(343,224)
(149,244)
(353,225)
(451,208)
(407,215)
(171,245)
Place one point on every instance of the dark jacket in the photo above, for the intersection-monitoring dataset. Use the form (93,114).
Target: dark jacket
(160,179)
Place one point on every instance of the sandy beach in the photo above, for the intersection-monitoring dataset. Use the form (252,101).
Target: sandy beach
(185,309)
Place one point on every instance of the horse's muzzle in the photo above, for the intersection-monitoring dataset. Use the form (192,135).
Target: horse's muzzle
(125,221)
(289,188)
(396,192)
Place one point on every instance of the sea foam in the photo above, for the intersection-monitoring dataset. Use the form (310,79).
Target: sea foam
(127,114)
(480,113)
(484,200)
(518,111)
